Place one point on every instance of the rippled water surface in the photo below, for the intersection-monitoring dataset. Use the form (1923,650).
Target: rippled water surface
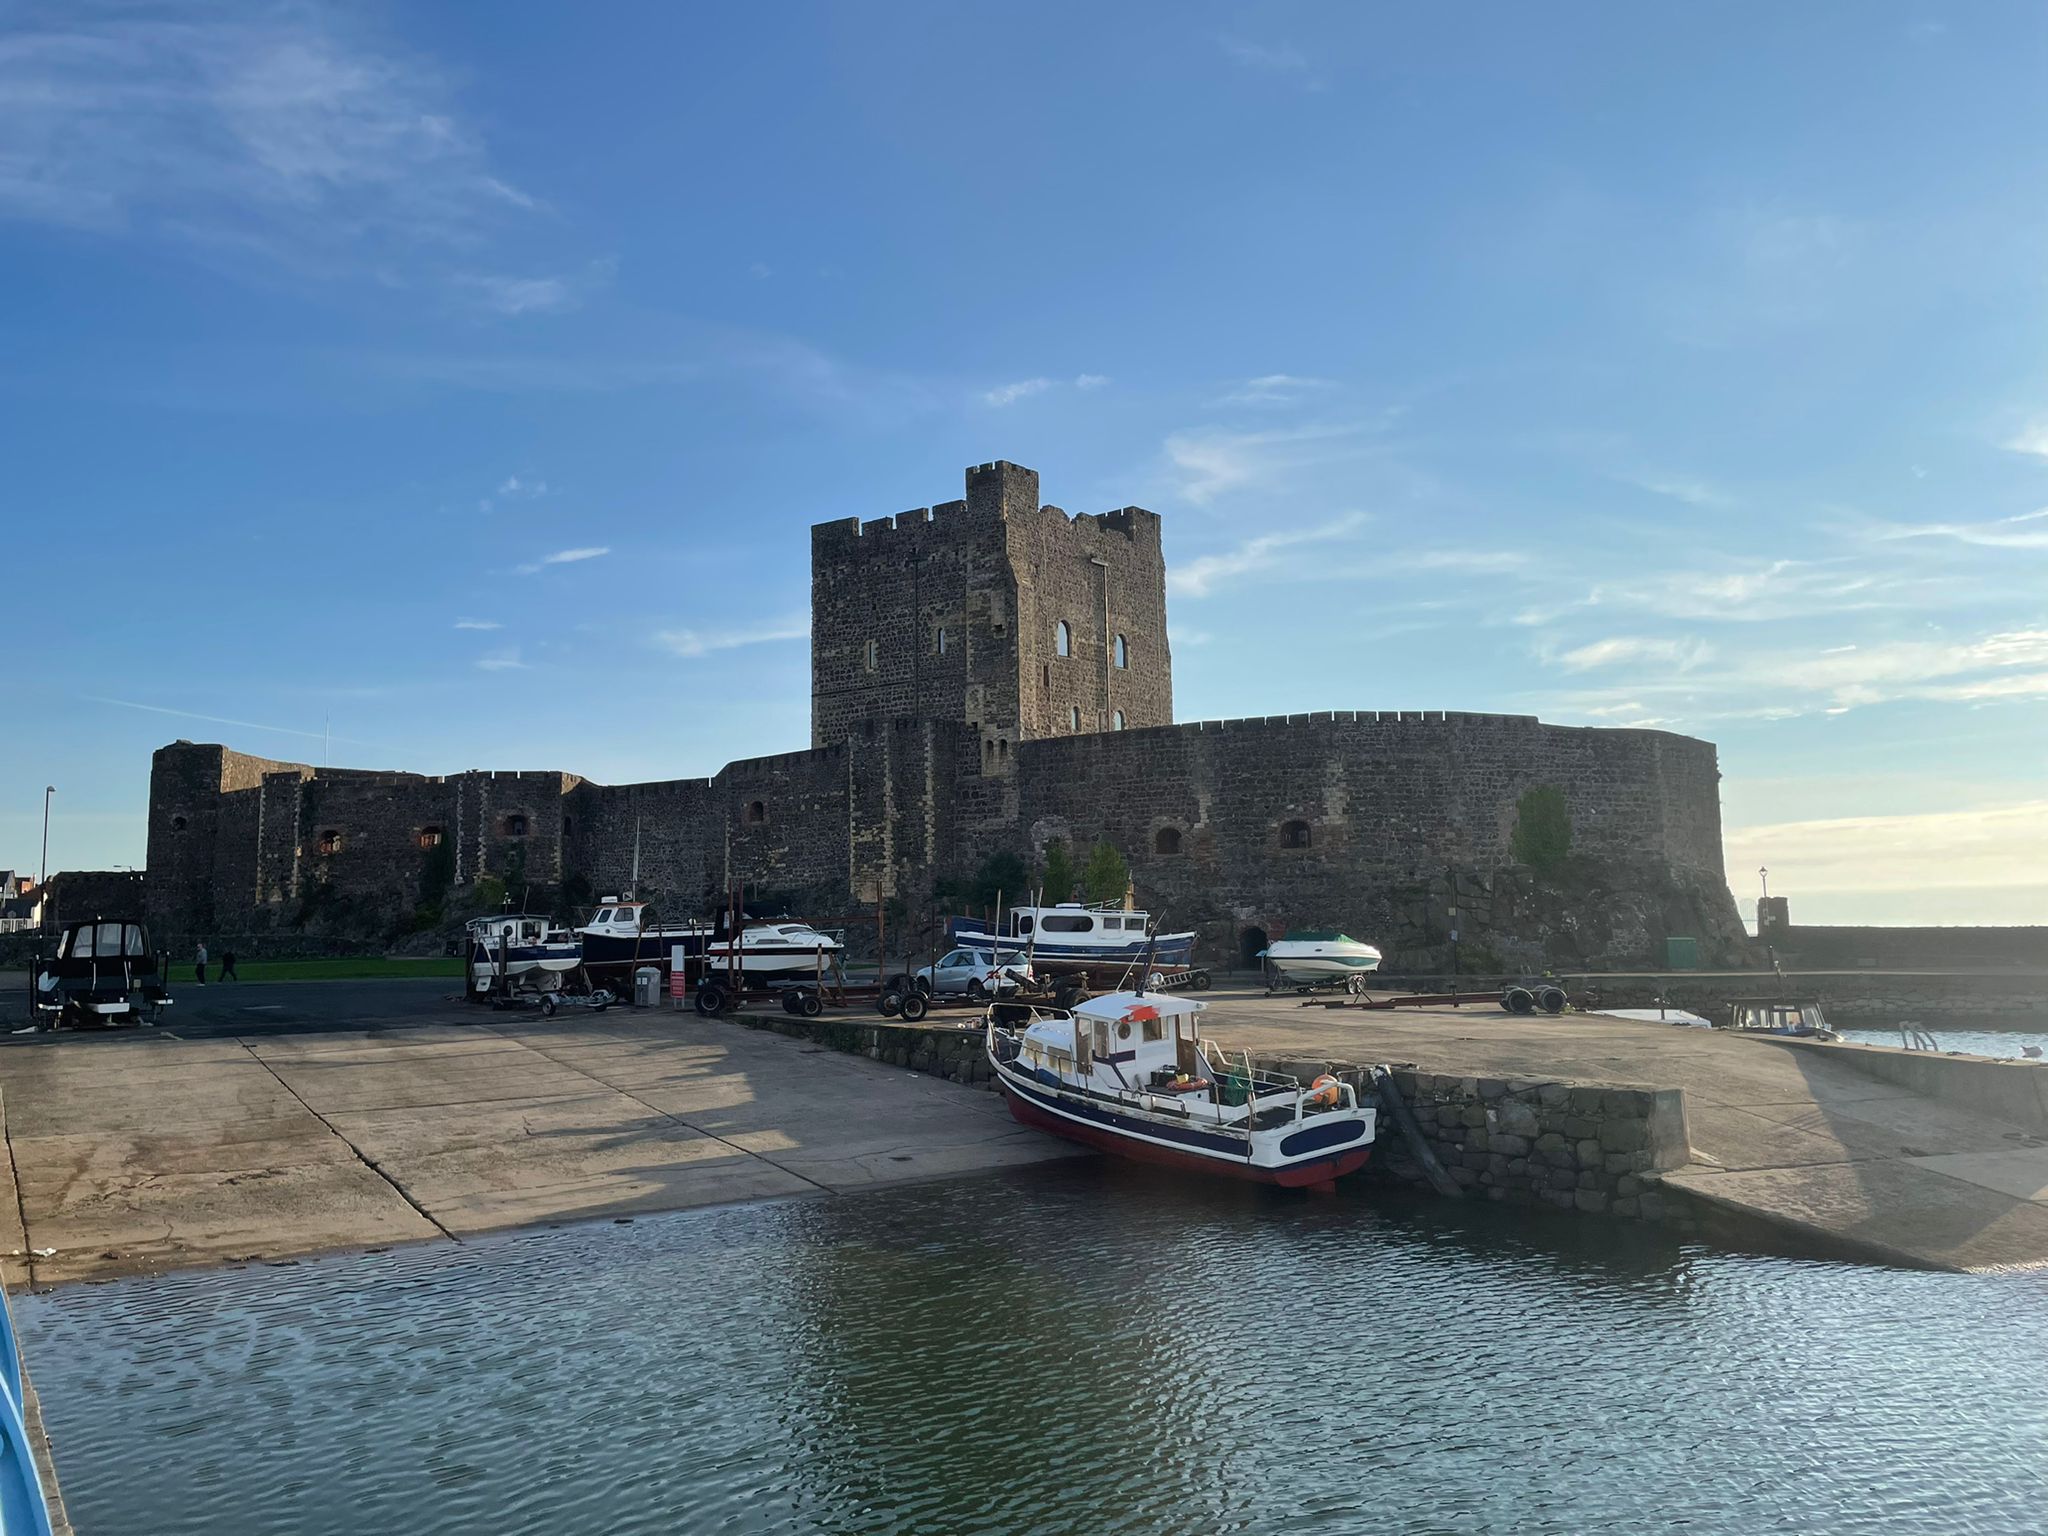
(1978,1042)
(1079,1348)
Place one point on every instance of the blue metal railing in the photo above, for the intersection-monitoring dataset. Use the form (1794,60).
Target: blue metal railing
(23,1509)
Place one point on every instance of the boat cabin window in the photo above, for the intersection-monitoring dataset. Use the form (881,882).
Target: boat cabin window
(1024,924)
(75,945)
(1101,1040)
(1110,923)
(1155,1028)
(132,941)
(1060,922)
(109,943)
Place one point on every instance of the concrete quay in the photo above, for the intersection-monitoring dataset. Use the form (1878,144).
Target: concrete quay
(282,1119)
(275,1120)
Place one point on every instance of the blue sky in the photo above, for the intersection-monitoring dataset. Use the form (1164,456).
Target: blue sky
(463,381)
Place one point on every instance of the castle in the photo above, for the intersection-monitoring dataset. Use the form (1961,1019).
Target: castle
(992,675)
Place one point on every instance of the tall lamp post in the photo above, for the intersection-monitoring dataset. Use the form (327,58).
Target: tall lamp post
(43,873)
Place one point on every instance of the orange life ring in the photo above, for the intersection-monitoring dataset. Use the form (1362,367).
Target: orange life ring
(1325,1092)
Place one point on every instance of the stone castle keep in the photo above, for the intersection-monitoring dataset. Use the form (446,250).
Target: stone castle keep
(990,675)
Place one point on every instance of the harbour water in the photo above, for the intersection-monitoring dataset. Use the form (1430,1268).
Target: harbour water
(1990,1040)
(1074,1347)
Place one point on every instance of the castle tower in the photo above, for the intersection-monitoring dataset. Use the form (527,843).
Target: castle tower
(995,610)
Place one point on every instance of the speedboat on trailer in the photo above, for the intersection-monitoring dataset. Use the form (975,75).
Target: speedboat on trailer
(765,953)
(524,949)
(1071,937)
(1130,1073)
(1309,957)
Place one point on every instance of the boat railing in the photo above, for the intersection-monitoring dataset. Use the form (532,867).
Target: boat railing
(23,1509)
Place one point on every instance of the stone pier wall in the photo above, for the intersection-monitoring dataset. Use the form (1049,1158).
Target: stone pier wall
(1578,1147)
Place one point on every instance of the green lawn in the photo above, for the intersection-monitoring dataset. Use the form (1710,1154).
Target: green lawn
(368,968)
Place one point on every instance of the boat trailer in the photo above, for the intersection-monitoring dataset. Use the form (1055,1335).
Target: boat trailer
(1521,997)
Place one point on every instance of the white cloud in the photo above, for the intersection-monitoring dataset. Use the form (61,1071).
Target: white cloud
(478,624)
(2003,533)
(1090,380)
(1694,493)
(1269,58)
(1213,461)
(2030,439)
(564,557)
(693,643)
(1618,649)
(1198,577)
(1989,847)
(515,296)
(1479,560)
(1276,389)
(506,660)
(287,134)
(1010,394)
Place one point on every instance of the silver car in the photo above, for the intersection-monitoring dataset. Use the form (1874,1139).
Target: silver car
(964,972)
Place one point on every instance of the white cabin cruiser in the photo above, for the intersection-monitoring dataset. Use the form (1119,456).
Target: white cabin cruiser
(1310,957)
(771,952)
(522,948)
(628,933)
(1130,1073)
(1072,937)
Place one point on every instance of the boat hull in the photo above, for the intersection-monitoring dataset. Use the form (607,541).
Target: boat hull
(1103,1135)
(655,947)
(1170,951)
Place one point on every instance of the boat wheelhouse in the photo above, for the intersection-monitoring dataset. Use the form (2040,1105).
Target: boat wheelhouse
(1130,1073)
(1070,937)
(1779,1016)
(101,971)
(629,933)
(522,949)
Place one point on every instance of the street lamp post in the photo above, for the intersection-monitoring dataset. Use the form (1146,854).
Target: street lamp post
(1764,875)
(43,872)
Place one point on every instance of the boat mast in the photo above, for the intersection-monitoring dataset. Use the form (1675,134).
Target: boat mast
(633,890)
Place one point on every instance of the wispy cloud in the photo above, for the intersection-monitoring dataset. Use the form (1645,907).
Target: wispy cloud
(1694,493)
(1199,577)
(288,134)
(1988,847)
(1618,649)
(693,643)
(2027,531)
(1086,381)
(1214,461)
(478,624)
(506,660)
(1010,394)
(1276,389)
(564,557)
(246,725)
(1282,59)
(535,295)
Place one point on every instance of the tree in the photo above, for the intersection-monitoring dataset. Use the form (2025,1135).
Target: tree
(1001,875)
(1542,837)
(1107,876)
(1059,877)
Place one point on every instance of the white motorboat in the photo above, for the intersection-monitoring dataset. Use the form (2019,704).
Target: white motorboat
(770,952)
(628,933)
(1072,937)
(523,949)
(1310,957)
(1130,1073)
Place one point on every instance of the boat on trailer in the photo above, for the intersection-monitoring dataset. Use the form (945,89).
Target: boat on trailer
(101,971)
(521,948)
(1072,937)
(1800,1018)
(629,933)
(764,953)
(1129,1073)
(1315,957)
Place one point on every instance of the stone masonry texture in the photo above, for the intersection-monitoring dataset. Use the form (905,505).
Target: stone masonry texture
(943,731)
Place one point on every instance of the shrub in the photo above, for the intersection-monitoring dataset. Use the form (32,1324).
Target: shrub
(1542,837)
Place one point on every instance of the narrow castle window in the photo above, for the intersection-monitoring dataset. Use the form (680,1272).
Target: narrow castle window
(1117,720)
(177,823)
(1166,841)
(757,812)
(1294,834)
(330,841)
(1063,640)
(944,640)
(1074,717)
(1123,652)
(430,837)
(515,825)
(871,657)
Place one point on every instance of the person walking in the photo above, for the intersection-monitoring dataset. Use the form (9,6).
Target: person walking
(199,969)
(227,966)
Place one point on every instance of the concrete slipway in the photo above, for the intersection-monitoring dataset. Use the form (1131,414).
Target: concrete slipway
(274,1120)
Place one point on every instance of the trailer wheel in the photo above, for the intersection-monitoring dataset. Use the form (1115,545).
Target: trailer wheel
(789,1003)
(547,1007)
(1199,981)
(1518,1000)
(914,1006)
(710,998)
(810,1005)
(921,985)
(976,992)
(1355,985)
(890,1002)
(1550,999)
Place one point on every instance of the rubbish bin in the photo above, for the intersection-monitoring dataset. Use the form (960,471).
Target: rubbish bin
(647,987)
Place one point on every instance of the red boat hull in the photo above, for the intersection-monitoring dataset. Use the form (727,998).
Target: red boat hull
(1318,1173)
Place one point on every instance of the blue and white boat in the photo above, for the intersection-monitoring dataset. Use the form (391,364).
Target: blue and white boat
(526,950)
(1071,937)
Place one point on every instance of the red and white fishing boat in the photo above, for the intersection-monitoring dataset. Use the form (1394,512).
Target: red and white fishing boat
(1130,1073)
